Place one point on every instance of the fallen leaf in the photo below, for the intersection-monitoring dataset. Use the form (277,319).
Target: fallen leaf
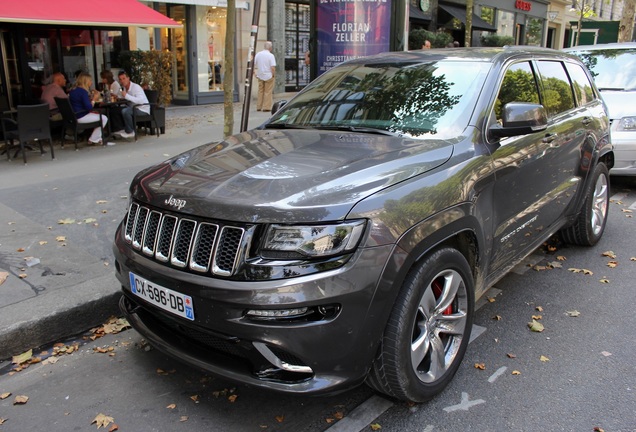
(598,429)
(22,275)
(113,428)
(66,221)
(516,372)
(544,359)
(339,415)
(561,258)
(535,326)
(539,268)
(51,360)
(606,354)
(60,238)
(172,406)
(232,398)
(480,366)
(183,418)
(587,272)
(329,420)
(497,317)
(90,220)
(2,420)
(5,395)
(101,202)
(612,264)
(573,313)
(22,358)
(604,280)
(609,254)
(195,398)
(102,420)
(626,211)
(537,317)
(511,355)
(20,249)
(555,264)
(280,419)
(632,259)
(3,277)
(539,308)
(491,299)
(20,400)
(375,426)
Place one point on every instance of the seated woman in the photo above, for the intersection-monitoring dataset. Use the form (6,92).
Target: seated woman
(112,86)
(82,100)
(109,83)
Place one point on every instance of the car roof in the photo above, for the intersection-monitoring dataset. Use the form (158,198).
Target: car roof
(479,54)
(607,46)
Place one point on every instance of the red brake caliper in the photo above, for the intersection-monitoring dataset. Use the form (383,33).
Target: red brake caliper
(437,291)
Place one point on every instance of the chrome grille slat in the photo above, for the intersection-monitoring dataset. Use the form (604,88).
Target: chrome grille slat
(203,247)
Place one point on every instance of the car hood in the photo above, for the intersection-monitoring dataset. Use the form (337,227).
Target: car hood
(285,175)
(619,103)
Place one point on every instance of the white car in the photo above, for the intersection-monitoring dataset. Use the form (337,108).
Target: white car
(613,67)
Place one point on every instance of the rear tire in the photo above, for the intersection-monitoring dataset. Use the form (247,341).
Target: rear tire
(428,331)
(590,223)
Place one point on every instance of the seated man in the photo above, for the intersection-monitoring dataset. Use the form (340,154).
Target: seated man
(134,94)
(53,90)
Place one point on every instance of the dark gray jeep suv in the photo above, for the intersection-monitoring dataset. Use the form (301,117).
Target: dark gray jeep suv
(347,238)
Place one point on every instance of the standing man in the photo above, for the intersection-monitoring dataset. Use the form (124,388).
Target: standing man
(53,90)
(135,95)
(265,65)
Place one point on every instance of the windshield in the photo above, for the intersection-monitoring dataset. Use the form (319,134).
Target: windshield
(612,69)
(412,99)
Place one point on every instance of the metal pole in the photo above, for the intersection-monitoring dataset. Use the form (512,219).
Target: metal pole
(250,65)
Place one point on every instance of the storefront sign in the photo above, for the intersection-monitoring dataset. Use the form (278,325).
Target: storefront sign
(523,5)
(348,29)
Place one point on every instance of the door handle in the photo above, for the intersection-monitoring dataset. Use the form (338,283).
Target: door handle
(548,138)
(586,121)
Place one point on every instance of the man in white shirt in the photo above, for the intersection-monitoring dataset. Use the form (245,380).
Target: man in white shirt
(135,95)
(265,65)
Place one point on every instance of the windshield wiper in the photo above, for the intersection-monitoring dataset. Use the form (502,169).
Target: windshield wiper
(363,129)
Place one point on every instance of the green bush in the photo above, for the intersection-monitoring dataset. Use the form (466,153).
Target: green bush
(150,69)
(438,39)
(495,40)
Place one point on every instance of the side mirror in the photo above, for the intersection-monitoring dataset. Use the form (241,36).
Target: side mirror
(520,118)
(278,105)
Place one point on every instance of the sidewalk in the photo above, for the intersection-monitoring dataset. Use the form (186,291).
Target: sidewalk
(57,222)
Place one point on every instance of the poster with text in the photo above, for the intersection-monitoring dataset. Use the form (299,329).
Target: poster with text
(348,29)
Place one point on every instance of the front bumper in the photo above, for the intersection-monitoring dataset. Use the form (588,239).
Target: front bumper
(324,355)
(624,153)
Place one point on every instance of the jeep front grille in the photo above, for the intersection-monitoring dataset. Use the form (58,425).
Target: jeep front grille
(184,242)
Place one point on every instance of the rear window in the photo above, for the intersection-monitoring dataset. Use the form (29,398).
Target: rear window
(612,69)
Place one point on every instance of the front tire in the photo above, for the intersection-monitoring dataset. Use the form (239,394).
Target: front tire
(590,223)
(428,331)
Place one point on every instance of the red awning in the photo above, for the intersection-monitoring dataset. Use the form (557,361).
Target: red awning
(111,13)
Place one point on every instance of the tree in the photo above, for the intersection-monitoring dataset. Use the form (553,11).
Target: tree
(583,10)
(228,81)
(627,21)
(469,23)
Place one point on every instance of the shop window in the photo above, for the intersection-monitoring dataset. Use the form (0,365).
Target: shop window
(505,23)
(211,31)
(534,31)
(297,33)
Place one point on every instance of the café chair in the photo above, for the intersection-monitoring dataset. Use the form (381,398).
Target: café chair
(70,120)
(32,125)
(148,121)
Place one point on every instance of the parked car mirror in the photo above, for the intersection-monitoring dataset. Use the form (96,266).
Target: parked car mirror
(278,105)
(520,118)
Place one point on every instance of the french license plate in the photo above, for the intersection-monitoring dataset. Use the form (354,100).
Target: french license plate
(165,298)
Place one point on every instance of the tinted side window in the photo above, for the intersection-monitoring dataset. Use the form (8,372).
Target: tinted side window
(519,85)
(558,95)
(581,83)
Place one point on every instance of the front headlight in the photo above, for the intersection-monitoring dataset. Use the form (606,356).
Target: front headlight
(311,241)
(627,124)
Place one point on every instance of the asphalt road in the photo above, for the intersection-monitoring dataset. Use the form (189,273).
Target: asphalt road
(576,375)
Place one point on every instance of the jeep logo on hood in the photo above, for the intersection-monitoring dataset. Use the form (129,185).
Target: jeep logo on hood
(175,202)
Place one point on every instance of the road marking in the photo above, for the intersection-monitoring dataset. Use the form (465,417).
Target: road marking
(465,404)
(362,416)
(476,332)
(499,372)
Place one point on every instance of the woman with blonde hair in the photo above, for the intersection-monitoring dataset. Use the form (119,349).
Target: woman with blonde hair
(82,99)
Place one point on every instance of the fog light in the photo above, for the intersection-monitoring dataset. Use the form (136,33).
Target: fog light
(277,313)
